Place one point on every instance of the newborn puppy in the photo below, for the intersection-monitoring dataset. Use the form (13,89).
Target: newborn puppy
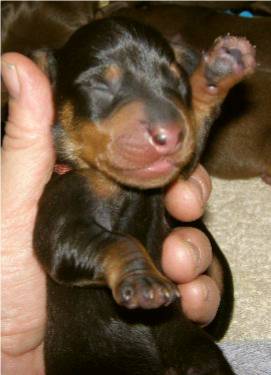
(128,122)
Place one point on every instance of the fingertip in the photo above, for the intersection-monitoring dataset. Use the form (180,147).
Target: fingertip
(25,67)
(178,259)
(10,78)
(186,199)
(202,177)
(200,299)
(187,253)
(183,201)
(27,152)
(32,92)
(31,109)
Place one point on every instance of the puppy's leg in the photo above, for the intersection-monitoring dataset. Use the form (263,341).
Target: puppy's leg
(229,61)
(186,349)
(76,250)
(133,278)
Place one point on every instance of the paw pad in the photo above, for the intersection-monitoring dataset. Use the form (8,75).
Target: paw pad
(230,56)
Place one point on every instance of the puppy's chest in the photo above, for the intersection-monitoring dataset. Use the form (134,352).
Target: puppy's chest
(140,214)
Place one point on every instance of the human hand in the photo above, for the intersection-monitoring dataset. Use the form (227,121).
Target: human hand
(27,163)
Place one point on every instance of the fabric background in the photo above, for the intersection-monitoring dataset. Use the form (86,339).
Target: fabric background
(249,358)
(239,217)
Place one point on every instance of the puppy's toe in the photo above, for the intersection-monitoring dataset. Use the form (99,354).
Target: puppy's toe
(145,291)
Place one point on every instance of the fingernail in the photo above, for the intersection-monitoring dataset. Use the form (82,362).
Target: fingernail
(197,184)
(194,253)
(10,78)
(205,292)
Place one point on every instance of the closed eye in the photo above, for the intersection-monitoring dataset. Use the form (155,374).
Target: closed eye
(100,86)
(96,88)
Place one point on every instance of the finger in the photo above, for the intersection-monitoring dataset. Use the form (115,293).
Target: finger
(27,153)
(187,253)
(27,162)
(186,199)
(200,299)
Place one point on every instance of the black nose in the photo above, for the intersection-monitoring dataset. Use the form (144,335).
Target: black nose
(160,136)
(166,137)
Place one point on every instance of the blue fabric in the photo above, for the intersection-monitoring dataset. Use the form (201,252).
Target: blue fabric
(244,13)
(249,357)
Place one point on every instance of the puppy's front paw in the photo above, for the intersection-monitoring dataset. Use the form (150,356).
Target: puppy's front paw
(145,290)
(231,57)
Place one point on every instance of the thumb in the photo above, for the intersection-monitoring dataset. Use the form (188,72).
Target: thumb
(27,152)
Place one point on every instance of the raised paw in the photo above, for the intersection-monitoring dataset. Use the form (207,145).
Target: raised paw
(231,57)
(146,291)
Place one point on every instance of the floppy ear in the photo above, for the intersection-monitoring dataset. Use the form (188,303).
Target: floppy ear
(45,59)
(184,54)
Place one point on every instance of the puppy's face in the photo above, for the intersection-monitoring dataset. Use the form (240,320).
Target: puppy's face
(124,104)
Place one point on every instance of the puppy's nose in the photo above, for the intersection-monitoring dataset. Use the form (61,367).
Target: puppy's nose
(166,137)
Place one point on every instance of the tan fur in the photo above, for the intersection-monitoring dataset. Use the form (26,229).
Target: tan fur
(103,186)
(119,255)
(100,145)
(112,73)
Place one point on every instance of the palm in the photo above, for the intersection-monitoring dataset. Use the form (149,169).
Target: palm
(23,287)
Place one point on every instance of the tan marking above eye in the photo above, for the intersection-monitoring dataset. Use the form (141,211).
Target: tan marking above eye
(112,73)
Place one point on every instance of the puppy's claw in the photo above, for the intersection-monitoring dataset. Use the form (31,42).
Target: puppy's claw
(147,291)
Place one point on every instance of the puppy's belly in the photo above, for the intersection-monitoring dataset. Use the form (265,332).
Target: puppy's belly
(87,330)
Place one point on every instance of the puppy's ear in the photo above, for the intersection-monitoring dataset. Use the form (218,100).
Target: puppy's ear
(184,54)
(45,59)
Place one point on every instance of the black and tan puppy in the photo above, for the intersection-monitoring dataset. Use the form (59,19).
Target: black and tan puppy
(128,122)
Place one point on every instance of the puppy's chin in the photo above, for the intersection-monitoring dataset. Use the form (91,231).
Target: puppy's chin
(154,176)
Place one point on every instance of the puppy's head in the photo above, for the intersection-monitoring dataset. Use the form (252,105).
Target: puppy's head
(123,104)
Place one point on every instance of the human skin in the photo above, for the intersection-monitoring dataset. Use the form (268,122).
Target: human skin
(27,163)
